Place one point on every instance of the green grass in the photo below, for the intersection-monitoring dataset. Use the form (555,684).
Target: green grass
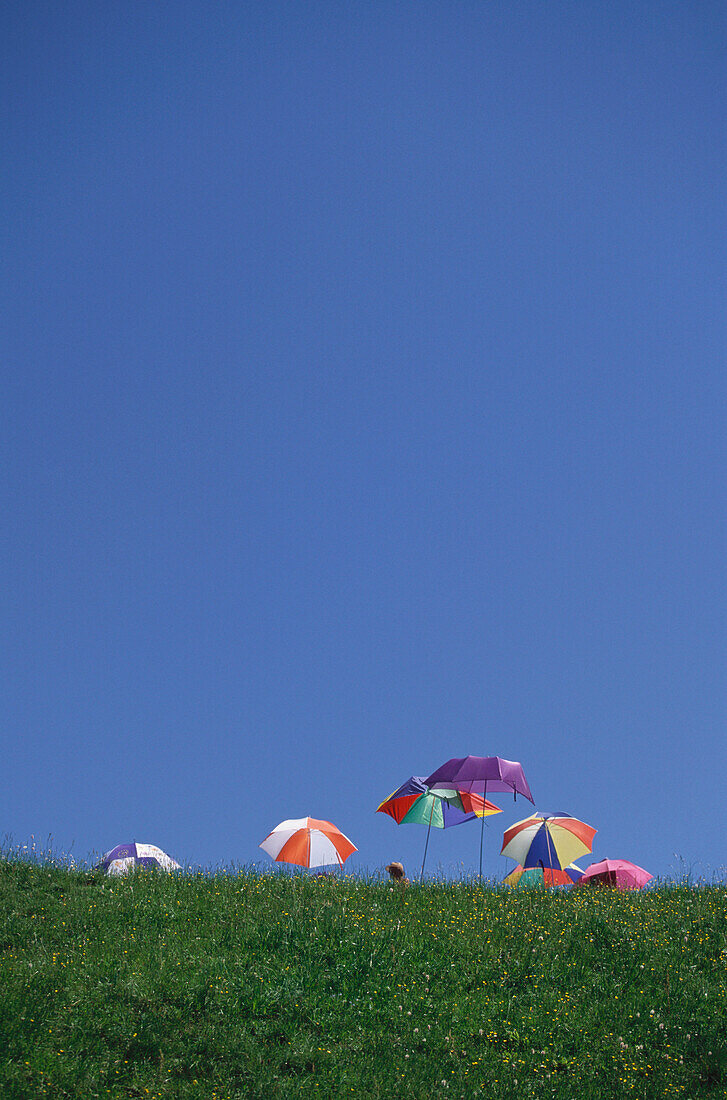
(247,985)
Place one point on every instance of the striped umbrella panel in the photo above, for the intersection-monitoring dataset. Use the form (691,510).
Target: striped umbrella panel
(414,804)
(124,857)
(308,842)
(548,841)
(544,876)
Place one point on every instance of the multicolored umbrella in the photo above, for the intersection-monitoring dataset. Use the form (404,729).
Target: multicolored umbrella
(308,842)
(616,872)
(413,803)
(548,840)
(480,774)
(126,857)
(543,876)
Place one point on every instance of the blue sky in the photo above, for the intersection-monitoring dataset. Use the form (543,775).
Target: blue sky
(363,405)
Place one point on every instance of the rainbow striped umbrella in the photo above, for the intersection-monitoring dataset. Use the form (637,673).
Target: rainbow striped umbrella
(413,803)
(543,876)
(548,840)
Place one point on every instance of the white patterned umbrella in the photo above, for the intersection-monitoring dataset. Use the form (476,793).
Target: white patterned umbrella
(125,857)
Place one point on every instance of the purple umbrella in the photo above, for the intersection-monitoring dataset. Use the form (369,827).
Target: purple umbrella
(478,774)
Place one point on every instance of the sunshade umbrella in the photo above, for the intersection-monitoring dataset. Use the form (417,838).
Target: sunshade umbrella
(126,857)
(308,842)
(616,872)
(413,803)
(480,774)
(548,840)
(544,876)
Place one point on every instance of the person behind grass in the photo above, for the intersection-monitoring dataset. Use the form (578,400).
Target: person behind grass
(396,873)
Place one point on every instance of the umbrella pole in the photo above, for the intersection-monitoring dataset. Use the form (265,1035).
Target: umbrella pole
(429,829)
(482,827)
(550,854)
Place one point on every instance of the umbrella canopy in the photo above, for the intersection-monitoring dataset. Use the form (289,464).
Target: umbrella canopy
(616,872)
(413,803)
(548,840)
(308,842)
(544,876)
(481,774)
(478,773)
(126,857)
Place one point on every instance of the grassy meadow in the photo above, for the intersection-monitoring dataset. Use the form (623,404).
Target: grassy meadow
(249,985)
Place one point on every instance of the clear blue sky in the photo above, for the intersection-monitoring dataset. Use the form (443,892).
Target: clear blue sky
(363,405)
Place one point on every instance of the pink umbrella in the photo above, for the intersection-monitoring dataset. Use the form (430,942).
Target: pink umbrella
(616,872)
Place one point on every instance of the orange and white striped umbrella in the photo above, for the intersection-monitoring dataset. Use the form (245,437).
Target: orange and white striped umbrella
(308,842)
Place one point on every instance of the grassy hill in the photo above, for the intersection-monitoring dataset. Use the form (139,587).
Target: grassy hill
(242,985)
